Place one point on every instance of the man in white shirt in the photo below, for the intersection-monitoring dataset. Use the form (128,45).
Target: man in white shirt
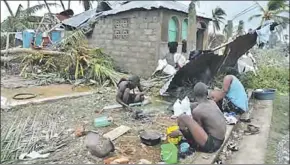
(179,60)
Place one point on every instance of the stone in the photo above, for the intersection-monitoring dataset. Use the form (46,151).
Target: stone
(98,145)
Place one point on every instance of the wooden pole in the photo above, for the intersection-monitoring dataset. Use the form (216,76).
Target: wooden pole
(32,51)
(7,43)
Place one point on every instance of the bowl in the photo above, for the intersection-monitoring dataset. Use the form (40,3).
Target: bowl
(264,94)
(150,138)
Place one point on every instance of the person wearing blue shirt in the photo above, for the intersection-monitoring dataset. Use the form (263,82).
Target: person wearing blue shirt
(233,95)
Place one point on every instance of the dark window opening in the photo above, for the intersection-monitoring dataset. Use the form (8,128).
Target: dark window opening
(172,46)
(184,46)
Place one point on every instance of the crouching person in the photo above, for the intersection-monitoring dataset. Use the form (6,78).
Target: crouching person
(124,95)
(233,96)
(205,130)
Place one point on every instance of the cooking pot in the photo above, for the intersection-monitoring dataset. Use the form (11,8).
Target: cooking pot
(150,138)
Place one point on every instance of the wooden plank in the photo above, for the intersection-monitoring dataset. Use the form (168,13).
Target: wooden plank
(117,132)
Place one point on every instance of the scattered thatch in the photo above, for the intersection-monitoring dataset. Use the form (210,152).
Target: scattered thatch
(79,62)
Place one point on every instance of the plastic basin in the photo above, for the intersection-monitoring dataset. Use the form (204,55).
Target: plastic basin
(169,153)
(264,94)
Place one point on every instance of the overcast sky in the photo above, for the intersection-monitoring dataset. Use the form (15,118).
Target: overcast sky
(232,8)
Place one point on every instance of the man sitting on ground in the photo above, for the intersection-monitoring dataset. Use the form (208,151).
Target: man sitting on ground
(232,97)
(205,130)
(124,97)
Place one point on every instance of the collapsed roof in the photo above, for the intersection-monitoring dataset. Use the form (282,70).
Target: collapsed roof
(123,6)
(206,65)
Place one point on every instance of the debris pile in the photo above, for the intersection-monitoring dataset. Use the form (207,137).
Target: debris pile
(75,61)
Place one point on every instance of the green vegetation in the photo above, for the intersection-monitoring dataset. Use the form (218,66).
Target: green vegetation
(279,126)
(268,77)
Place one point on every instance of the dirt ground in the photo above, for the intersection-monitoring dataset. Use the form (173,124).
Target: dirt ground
(50,127)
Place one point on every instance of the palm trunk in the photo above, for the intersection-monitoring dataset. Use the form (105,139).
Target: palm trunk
(47,6)
(62,4)
(191,26)
(68,4)
(8,7)
(262,21)
(86,4)
(28,3)
(230,29)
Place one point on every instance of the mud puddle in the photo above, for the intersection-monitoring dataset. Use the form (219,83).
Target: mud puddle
(45,91)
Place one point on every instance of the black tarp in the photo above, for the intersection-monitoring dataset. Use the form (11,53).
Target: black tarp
(206,65)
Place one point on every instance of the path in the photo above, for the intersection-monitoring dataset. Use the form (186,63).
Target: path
(253,147)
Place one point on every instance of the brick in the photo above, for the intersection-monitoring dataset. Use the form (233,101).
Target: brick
(143,38)
(143,25)
(148,31)
(134,49)
(124,48)
(152,50)
(155,19)
(153,25)
(147,19)
(152,38)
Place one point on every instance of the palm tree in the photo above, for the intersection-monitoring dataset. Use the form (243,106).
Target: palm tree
(241,28)
(8,7)
(23,19)
(228,29)
(217,18)
(272,12)
(192,25)
(218,15)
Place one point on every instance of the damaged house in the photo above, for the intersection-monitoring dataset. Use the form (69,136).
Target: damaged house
(137,33)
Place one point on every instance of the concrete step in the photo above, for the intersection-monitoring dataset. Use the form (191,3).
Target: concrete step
(252,148)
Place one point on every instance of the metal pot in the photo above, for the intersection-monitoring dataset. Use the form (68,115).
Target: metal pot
(150,138)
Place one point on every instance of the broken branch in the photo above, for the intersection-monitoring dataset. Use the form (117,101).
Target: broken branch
(32,51)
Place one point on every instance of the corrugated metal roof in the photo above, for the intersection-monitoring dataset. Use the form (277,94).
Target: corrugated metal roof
(171,5)
(119,7)
(81,18)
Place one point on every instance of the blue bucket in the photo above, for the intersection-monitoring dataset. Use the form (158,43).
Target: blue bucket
(264,94)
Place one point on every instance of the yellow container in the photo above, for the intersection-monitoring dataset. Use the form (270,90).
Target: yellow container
(169,131)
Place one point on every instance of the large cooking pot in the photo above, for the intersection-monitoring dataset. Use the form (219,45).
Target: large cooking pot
(150,138)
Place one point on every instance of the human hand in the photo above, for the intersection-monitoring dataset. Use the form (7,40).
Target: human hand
(184,119)
(216,95)
(175,134)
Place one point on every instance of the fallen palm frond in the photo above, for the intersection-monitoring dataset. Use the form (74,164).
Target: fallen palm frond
(79,62)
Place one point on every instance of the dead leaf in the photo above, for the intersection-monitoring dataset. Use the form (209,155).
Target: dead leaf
(122,160)
(109,160)
(79,131)
(144,161)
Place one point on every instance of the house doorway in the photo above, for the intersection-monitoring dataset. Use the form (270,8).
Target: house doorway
(201,27)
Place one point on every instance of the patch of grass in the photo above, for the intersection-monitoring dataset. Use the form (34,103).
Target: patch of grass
(279,126)
(268,77)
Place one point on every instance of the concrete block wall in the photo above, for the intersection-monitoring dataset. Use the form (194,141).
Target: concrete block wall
(138,54)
